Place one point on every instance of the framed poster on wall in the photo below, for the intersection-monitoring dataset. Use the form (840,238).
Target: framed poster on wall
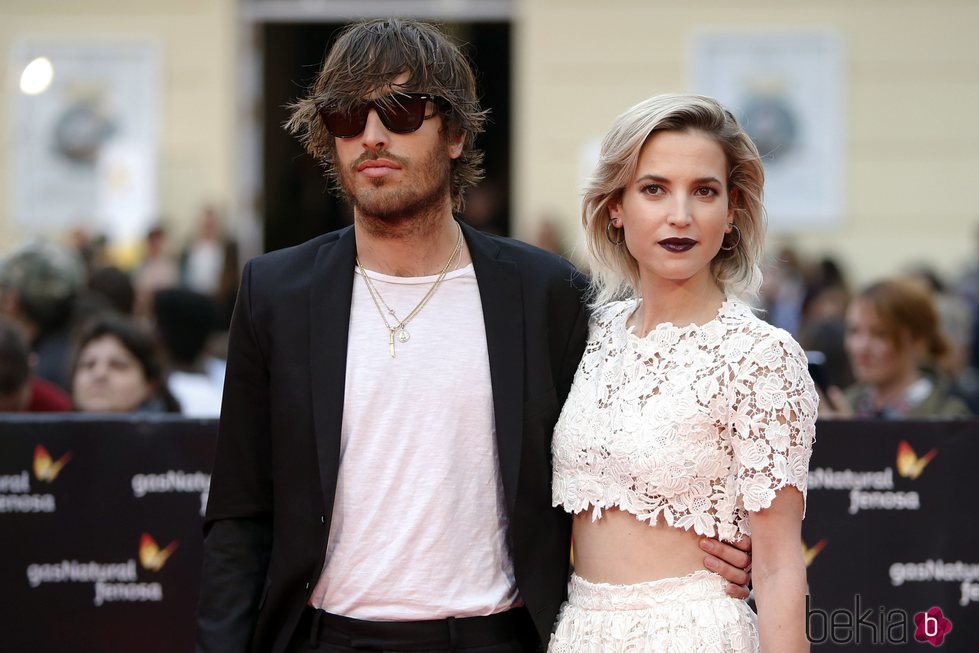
(84,130)
(786,89)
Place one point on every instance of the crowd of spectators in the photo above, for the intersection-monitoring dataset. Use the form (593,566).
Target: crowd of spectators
(900,347)
(78,332)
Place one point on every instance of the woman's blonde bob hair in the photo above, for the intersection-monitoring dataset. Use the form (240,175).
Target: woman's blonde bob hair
(614,271)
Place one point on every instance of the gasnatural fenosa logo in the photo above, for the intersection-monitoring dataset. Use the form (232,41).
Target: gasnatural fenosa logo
(151,556)
(875,489)
(45,467)
(172,481)
(112,582)
(809,554)
(15,489)
(908,463)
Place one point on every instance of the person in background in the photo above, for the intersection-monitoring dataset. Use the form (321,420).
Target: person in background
(783,291)
(227,289)
(823,319)
(967,287)
(118,370)
(92,249)
(21,391)
(39,284)
(955,320)
(108,289)
(895,348)
(203,260)
(549,236)
(185,322)
(157,271)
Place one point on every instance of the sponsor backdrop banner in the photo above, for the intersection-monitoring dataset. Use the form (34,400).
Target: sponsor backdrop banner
(101,528)
(891,531)
(100,522)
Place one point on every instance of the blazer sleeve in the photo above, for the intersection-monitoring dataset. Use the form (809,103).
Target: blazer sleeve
(238,523)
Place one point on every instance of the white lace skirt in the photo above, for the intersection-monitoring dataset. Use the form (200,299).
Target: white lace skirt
(671,615)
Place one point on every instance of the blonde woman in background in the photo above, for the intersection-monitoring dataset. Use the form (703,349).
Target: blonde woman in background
(689,417)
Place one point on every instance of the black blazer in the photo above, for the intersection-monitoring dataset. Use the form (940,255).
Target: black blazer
(275,471)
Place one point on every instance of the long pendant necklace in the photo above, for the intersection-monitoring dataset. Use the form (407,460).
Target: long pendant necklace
(398,330)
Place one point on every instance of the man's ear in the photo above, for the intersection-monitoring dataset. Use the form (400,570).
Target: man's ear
(456,143)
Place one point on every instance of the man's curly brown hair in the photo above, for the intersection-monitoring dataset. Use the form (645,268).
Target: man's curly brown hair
(365,59)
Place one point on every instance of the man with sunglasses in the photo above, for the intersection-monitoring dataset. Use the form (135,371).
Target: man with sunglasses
(382,477)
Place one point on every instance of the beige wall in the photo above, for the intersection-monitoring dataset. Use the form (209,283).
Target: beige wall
(911,93)
(196,40)
(912,111)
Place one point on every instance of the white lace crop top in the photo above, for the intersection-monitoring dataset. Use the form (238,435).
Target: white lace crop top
(697,424)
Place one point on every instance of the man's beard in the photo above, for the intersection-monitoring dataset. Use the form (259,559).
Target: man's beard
(415,204)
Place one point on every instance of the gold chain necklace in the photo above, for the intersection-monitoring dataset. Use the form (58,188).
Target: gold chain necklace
(399,330)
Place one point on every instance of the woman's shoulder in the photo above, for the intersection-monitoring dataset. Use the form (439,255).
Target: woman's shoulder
(764,333)
(762,343)
(606,314)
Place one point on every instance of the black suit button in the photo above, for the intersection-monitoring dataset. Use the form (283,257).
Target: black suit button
(322,519)
(307,586)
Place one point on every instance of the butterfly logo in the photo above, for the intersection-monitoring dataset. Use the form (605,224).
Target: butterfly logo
(908,463)
(809,554)
(45,467)
(151,556)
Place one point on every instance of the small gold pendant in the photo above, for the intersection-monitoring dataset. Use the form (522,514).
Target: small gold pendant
(403,335)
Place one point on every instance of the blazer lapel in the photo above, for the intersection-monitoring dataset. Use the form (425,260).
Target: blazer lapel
(330,296)
(502,301)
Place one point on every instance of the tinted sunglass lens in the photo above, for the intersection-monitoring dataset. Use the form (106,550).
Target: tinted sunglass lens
(405,113)
(344,124)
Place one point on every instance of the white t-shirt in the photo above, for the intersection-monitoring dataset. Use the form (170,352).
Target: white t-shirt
(204,261)
(419,522)
(198,394)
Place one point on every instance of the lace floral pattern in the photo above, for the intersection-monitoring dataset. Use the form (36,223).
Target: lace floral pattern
(697,425)
(689,614)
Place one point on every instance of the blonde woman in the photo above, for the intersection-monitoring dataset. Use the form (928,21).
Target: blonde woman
(689,418)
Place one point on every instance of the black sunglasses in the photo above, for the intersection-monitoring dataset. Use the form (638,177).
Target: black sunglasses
(401,113)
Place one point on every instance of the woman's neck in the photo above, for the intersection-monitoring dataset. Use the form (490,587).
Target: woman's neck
(678,304)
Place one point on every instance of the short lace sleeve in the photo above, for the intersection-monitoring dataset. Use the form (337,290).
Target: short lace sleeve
(773,421)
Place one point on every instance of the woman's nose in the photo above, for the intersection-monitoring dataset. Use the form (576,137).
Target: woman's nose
(679,214)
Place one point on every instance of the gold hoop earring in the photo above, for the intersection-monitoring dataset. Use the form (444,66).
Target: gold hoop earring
(736,243)
(608,234)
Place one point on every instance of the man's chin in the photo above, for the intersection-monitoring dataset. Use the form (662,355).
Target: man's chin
(394,206)
(391,210)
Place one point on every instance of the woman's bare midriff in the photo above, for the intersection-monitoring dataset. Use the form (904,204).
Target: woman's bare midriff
(620,549)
